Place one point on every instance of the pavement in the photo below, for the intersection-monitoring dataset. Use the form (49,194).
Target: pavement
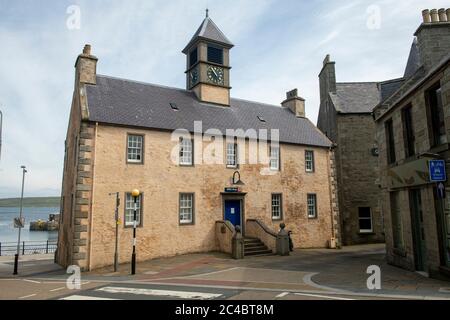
(307,274)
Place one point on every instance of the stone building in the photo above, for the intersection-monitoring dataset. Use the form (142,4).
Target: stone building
(413,127)
(236,162)
(345,117)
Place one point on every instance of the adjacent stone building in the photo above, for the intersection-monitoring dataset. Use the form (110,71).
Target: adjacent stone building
(204,163)
(345,117)
(413,128)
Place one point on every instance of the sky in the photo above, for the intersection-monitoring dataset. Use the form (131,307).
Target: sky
(279,45)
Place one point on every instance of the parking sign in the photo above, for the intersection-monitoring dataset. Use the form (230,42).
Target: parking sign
(437,171)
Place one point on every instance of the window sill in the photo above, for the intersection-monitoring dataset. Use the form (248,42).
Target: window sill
(186,223)
(312,218)
(277,219)
(131,226)
(134,162)
(366,233)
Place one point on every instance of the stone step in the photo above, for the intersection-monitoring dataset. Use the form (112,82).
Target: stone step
(259,253)
(254,245)
(259,248)
(251,241)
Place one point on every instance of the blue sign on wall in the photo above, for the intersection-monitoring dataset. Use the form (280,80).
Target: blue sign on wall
(437,170)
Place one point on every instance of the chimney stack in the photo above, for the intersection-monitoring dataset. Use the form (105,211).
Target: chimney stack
(295,103)
(86,67)
(433,37)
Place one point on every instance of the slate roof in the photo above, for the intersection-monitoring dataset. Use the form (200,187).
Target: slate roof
(355,97)
(209,31)
(130,103)
(413,63)
(387,88)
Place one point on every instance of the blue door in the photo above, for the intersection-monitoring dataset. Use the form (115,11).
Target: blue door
(233,211)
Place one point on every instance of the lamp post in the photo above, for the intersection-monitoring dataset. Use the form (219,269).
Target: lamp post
(116,218)
(16,258)
(135,193)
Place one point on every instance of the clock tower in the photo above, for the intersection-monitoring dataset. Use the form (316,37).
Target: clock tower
(208,64)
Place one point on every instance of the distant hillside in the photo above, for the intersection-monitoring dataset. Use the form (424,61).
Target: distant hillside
(50,202)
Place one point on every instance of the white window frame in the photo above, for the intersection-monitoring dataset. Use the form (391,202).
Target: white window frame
(129,210)
(309,161)
(276,204)
(186,152)
(135,147)
(365,218)
(274,158)
(311,205)
(232,156)
(186,208)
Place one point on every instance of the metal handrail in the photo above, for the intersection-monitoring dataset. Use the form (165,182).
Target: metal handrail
(28,247)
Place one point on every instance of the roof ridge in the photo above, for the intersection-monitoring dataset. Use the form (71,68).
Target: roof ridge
(359,82)
(144,83)
(263,103)
(180,89)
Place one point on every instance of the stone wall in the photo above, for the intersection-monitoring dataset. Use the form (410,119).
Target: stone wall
(161,181)
(224,236)
(357,170)
(432,229)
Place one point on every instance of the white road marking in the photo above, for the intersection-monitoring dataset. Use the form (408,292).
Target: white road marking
(57,289)
(281,295)
(167,293)
(28,296)
(321,296)
(78,297)
(445,290)
(32,281)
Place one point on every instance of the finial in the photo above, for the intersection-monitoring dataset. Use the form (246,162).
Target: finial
(207,12)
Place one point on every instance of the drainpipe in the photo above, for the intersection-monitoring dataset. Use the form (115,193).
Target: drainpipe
(91,219)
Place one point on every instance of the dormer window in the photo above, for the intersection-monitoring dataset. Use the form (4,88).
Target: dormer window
(215,54)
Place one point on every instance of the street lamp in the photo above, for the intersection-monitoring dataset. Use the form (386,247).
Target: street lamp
(116,218)
(16,258)
(135,193)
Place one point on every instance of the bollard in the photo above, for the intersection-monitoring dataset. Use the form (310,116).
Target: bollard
(23,248)
(0,249)
(283,241)
(237,244)
(46,247)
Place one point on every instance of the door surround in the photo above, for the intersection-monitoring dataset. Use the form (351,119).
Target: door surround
(240,196)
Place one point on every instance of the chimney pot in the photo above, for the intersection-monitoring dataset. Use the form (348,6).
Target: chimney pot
(87,50)
(426,16)
(292,94)
(442,15)
(434,15)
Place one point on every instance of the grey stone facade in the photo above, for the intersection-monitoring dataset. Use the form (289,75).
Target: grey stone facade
(417,231)
(345,117)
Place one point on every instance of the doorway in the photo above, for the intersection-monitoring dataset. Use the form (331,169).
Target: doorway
(420,249)
(232,212)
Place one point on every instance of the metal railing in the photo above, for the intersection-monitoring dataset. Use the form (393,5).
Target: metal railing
(28,247)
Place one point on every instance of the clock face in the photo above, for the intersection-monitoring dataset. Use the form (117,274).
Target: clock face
(194,77)
(215,74)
